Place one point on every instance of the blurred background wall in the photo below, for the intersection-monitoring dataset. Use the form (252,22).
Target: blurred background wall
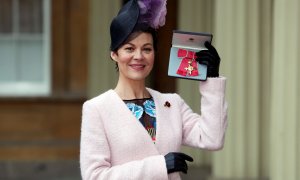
(48,71)
(43,83)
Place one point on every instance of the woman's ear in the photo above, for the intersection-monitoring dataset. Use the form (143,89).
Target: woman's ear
(113,56)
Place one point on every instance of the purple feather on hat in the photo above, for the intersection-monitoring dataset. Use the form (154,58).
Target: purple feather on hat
(153,12)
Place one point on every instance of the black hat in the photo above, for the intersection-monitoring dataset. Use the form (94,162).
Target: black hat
(123,24)
(136,15)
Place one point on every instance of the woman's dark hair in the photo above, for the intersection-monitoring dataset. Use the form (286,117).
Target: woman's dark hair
(136,32)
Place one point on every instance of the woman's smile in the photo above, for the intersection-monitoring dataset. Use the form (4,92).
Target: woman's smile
(137,67)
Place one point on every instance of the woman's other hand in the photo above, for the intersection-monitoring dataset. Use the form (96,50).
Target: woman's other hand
(211,58)
(176,161)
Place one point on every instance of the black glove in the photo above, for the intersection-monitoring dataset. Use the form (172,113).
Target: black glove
(175,161)
(211,58)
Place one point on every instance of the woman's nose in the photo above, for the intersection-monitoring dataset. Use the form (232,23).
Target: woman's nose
(138,54)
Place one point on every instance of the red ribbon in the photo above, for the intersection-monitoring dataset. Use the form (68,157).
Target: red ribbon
(188,65)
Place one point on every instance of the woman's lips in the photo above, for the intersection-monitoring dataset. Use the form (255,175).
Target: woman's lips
(137,67)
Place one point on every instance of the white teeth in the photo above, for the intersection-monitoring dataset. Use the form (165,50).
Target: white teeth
(137,65)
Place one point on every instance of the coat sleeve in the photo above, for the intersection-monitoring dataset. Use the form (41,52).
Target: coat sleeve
(207,130)
(95,157)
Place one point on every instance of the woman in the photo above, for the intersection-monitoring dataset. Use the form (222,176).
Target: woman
(134,132)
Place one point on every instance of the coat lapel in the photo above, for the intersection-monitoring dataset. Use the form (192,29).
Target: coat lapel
(160,109)
(129,118)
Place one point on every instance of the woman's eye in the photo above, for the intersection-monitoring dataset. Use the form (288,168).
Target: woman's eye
(129,49)
(148,49)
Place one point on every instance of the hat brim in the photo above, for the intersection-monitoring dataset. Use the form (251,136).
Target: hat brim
(124,23)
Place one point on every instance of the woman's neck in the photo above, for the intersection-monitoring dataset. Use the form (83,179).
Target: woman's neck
(132,90)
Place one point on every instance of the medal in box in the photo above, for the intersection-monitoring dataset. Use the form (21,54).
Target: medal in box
(182,62)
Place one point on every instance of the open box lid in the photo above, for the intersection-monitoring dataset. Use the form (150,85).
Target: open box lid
(190,40)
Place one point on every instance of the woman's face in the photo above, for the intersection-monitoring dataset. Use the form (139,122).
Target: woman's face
(136,57)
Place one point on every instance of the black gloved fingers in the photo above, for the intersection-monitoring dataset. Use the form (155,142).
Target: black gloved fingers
(184,156)
(202,52)
(176,161)
(208,45)
(178,165)
(207,61)
(181,166)
(207,54)
(212,49)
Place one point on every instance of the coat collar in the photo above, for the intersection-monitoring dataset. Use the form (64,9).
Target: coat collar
(159,105)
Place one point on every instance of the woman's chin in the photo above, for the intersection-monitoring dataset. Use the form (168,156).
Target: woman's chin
(139,76)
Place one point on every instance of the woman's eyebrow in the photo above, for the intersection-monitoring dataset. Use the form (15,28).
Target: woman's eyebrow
(129,44)
(148,44)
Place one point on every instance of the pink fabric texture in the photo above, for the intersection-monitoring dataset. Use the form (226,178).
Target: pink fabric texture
(115,145)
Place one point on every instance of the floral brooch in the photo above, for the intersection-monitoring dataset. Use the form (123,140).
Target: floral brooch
(167,104)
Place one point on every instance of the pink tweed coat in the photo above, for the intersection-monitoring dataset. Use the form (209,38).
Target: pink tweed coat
(116,146)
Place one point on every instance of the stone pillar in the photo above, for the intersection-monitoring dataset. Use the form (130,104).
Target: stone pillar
(102,73)
(285,98)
